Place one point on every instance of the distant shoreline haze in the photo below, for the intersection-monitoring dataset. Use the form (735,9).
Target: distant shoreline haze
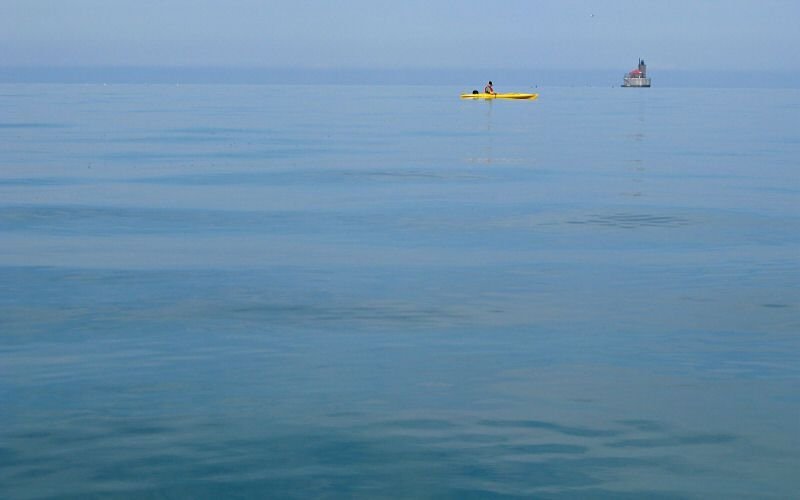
(504,79)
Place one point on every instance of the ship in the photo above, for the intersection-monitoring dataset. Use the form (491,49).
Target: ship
(637,77)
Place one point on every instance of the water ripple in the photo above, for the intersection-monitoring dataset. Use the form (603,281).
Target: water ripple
(551,426)
(631,220)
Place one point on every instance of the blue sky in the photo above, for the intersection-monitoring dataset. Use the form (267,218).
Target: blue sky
(378,34)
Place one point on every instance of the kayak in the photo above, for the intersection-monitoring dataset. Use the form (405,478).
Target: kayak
(530,97)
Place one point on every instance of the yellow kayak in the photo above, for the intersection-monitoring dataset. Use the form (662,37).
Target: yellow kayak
(530,97)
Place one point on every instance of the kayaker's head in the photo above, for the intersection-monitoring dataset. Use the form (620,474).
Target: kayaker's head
(490,82)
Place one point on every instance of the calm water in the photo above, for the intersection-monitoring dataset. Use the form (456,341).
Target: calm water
(386,292)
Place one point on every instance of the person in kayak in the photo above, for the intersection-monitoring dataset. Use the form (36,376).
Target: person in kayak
(489,89)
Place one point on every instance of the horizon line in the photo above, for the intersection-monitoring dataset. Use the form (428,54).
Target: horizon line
(212,74)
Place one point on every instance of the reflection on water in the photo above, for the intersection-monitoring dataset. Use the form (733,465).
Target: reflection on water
(467,300)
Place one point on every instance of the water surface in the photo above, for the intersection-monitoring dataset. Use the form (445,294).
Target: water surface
(374,292)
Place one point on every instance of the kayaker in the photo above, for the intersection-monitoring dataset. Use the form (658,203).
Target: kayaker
(488,89)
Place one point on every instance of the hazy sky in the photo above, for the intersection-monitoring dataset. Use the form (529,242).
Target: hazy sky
(557,34)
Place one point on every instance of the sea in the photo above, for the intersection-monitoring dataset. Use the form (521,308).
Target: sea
(367,292)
